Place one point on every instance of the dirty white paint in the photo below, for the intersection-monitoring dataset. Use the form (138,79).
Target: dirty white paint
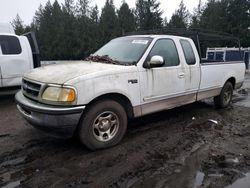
(215,75)
(70,70)
(166,82)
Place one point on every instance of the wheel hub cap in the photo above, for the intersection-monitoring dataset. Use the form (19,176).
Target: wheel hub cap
(105,126)
(227,96)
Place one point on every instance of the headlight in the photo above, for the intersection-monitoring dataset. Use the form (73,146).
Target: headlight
(59,94)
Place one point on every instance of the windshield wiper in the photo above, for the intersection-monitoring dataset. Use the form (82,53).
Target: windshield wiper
(103,59)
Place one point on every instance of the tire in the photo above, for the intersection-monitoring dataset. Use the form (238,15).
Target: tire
(103,125)
(225,98)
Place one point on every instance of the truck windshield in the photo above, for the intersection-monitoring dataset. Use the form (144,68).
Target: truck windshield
(125,50)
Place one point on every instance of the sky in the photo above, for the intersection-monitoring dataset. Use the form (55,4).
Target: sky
(26,8)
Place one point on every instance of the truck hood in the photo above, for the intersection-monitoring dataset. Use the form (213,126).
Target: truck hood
(68,70)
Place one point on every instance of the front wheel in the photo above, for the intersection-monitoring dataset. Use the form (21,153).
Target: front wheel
(103,125)
(224,99)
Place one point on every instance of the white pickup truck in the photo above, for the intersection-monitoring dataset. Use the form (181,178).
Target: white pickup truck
(127,78)
(18,55)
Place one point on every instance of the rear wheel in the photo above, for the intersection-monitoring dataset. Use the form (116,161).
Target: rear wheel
(224,99)
(103,125)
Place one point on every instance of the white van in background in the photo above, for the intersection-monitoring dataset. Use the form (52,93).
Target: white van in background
(18,55)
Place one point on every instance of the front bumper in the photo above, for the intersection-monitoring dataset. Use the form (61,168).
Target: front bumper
(57,121)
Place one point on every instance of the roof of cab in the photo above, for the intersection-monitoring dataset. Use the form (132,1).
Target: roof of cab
(158,36)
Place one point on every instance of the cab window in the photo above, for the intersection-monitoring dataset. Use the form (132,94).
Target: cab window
(167,49)
(188,52)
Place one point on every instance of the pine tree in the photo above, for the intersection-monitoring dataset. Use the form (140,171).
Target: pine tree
(35,24)
(84,29)
(17,23)
(50,30)
(238,20)
(180,18)
(69,43)
(69,6)
(148,15)
(108,22)
(126,19)
(165,22)
(94,16)
(74,32)
(95,33)
(83,8)
(196,16)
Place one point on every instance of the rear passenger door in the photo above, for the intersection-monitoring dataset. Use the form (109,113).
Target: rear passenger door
(14,59)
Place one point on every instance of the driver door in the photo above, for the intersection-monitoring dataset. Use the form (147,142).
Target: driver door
(163,87)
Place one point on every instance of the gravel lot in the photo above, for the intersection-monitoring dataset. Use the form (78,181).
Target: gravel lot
(175,148)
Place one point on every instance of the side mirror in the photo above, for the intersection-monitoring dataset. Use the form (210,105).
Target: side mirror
(155,61)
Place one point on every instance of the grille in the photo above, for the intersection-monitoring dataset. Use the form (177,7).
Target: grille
(31,89)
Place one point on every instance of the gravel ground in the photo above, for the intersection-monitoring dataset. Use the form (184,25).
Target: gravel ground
(191,146)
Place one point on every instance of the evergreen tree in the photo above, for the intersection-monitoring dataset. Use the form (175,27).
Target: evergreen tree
(95,31)
(35,25)
(84,31)
(74,32)
(69,6)
(180,18)
(238,20)
(196,17)
(69,32)
(94,16)
(49,23)
(108,22)
(56,30)
(83,7)
(194,22)
(148,15)
(17,23)
(126,19)
(165,22)
(214,16)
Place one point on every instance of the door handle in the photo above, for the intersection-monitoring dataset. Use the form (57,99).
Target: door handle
(181,75)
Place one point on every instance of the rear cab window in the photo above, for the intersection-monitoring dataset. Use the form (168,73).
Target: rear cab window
(10,45)
(188,52)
